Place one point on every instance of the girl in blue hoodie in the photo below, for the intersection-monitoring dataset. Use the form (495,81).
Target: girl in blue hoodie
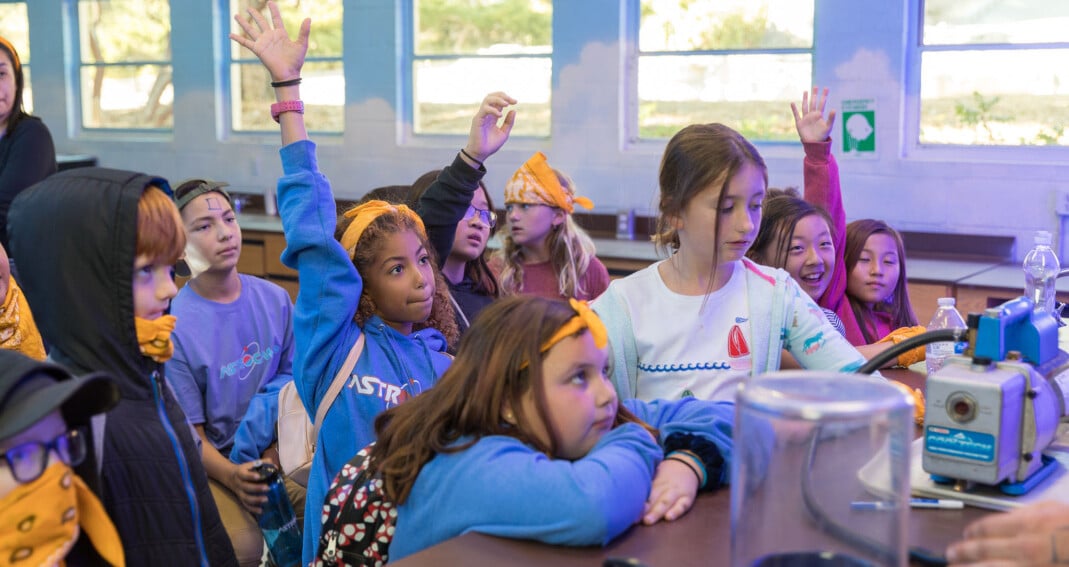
(379,281)
(524,437)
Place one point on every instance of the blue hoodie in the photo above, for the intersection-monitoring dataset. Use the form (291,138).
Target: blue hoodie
(392,367)
(500,486)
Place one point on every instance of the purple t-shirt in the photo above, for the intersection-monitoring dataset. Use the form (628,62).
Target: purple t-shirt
(224,353)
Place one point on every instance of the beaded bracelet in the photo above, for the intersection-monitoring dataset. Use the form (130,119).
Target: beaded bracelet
(287,83)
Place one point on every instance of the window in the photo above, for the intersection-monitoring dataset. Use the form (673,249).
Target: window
(464,49)
(740,62)
(125,55)
(16,29)
(322,78)
(993,72)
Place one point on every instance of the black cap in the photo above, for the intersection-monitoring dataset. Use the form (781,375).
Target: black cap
(30,390)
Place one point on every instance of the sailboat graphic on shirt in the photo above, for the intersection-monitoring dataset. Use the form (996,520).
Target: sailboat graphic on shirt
(739,356)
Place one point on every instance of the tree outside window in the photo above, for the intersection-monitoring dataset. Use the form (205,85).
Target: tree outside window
(739,62)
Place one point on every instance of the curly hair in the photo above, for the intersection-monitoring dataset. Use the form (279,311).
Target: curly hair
(368,247)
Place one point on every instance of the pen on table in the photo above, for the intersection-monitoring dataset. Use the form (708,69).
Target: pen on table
(936,503)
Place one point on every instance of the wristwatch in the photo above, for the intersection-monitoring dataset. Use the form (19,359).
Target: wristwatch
(286,106)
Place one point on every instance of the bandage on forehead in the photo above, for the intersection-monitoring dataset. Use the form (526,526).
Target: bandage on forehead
(194,188)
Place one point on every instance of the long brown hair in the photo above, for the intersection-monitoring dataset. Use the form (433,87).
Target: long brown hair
(369,245)
(900,309)
(477,270)
(497,364)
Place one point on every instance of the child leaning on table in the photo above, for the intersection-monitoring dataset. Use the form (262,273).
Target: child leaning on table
(524,437)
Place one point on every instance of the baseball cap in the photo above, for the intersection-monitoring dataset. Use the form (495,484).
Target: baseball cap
(30,390)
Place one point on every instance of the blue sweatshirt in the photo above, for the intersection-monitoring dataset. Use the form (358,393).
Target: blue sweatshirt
(392,367)
(502,487)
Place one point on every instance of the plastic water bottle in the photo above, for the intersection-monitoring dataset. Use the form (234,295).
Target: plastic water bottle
(1041,269)
(946,317)
(278,522)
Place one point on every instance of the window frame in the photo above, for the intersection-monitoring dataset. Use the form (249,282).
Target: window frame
(632,52)
(226,86)
(911,146)
(406,82)
(75,66)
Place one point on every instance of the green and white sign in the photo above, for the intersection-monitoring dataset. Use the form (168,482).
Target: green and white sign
(859,127)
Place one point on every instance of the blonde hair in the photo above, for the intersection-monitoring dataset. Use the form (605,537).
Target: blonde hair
(570,252)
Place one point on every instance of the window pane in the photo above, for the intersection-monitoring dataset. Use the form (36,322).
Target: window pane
(751,93)
(445,105)
(326,39)
(675,25)
(505,27)
(15,28)
(127,96)
(1018,97)
(322,90)
(954,22)
(118,31)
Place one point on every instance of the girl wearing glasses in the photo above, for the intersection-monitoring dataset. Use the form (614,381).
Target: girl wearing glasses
(460,218)
(545,253)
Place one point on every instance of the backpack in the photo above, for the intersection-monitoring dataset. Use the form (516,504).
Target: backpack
(358,520)
(296,433)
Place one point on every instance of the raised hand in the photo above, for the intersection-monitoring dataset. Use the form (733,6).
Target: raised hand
(486,136)
(811,124)
(282,56)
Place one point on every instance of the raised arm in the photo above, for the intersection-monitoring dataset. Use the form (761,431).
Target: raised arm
(821,175)
(283,59)
(443,204)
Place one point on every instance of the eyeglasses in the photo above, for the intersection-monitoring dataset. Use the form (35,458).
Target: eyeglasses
(29,460)
(489,218)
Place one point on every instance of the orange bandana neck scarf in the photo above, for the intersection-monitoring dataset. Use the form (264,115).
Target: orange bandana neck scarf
(154,337)
(17,329)
(536,182)
(365,214)
(39,521)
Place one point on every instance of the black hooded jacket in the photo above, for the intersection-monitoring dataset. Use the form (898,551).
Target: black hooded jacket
(75,236)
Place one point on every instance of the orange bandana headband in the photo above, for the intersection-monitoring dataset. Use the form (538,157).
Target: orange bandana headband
(585,318)
(365,214)
(536,182)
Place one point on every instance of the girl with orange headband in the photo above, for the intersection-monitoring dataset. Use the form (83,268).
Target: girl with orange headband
(374,302)
(545,252)
(524,437)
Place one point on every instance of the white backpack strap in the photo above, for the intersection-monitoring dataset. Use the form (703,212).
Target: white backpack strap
(336,386)
(96,424)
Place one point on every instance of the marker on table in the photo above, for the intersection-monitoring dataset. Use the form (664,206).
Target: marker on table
(937,503)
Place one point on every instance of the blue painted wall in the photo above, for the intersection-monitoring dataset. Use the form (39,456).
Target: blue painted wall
(860,53)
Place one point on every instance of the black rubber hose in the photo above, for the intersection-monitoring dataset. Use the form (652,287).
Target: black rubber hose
(937,336)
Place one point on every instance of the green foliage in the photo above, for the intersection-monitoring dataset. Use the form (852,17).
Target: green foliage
(980,113)
(464,26)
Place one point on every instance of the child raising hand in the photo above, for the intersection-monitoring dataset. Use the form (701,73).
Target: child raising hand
(378,284)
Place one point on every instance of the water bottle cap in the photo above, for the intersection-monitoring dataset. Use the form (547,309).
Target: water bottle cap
(946,301)
(1043,237)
